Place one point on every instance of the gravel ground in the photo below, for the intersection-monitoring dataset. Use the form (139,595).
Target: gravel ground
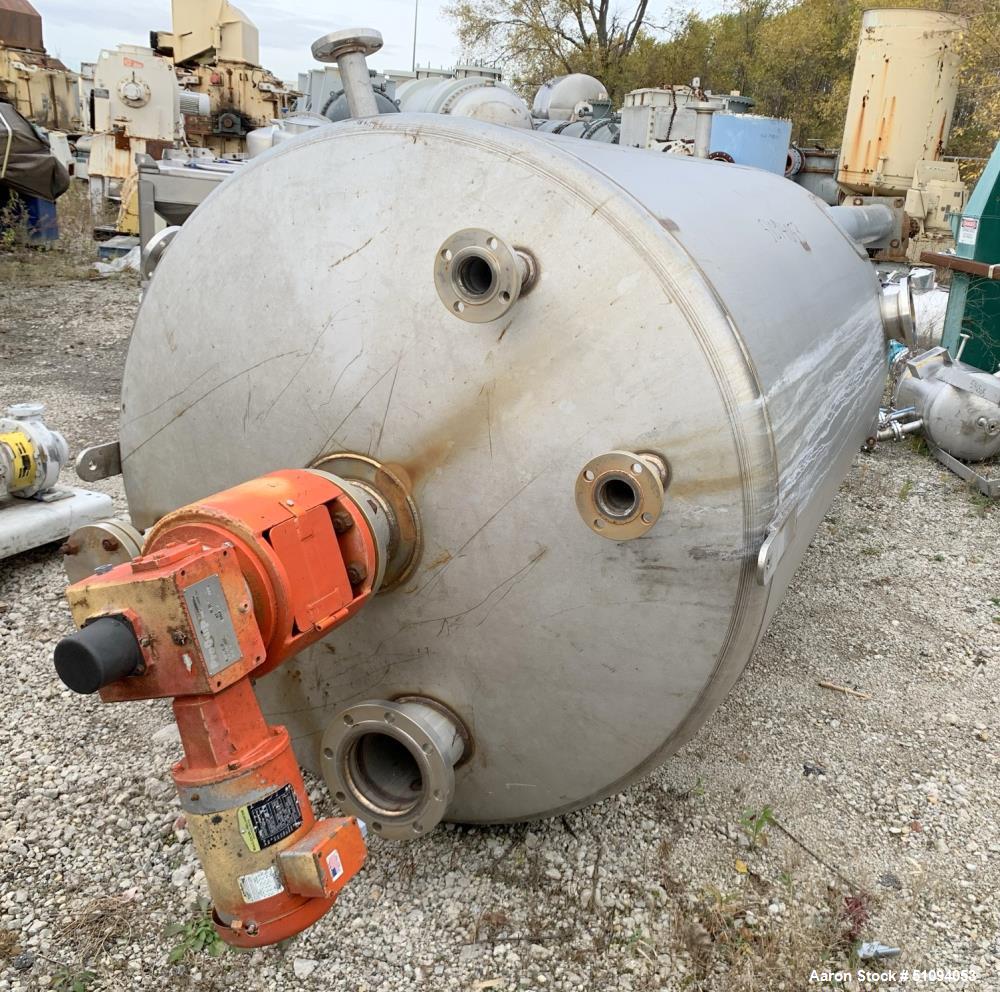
(884,809)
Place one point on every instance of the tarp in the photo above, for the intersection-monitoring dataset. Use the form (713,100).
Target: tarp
(27,164)
(20,25)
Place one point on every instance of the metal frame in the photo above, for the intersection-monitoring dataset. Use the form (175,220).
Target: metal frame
(987,486)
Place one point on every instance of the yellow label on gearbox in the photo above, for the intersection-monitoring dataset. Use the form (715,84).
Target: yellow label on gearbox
(22,450)
(246,829)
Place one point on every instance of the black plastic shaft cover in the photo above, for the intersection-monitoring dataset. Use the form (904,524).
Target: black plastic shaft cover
(102,652)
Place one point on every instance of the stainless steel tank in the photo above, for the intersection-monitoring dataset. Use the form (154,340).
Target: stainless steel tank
(640,333)
(564,98)
(482,98)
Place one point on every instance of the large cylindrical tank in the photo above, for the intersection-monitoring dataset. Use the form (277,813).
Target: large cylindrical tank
(480,97)
(748,357)
(902,98)
(564,97)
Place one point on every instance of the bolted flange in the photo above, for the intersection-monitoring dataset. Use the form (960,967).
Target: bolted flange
(329,48)
(619,494)
(479,276)
(349,49)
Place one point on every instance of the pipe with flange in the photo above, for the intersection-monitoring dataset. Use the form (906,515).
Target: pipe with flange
(393,763)
(865,224)
(348,50)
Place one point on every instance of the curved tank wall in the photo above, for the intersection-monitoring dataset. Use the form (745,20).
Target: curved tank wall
(479,97)
(749,355)
(561,98)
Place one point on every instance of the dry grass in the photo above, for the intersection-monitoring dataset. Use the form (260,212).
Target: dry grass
(9,947)
(732,933)
(99,925)
(69,257)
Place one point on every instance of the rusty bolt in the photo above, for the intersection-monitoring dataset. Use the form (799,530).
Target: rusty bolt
(178,637)
(342,521)
(110,544)
(69,548)
(357,572)
(145,641)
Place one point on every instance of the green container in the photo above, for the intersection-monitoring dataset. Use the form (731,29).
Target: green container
(974,302)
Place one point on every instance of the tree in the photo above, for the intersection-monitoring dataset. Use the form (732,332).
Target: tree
(544,38)
(794,57)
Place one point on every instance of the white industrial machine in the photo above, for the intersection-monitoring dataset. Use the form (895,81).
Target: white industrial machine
(136,111)
(687,120)
(34,509)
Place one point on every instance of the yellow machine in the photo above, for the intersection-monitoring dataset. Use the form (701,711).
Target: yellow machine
(200,85)
(39,87)
(216,50)
(899,116)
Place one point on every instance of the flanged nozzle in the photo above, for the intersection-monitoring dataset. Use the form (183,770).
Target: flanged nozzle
(620,494)
(392,764)
(348,49)
(479,276)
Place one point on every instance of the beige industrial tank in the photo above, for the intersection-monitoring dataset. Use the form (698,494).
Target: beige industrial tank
(621,389)
(902,98)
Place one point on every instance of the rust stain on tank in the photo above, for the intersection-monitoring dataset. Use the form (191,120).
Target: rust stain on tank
(939,148)
(884,141)
(441,559)
(701,486)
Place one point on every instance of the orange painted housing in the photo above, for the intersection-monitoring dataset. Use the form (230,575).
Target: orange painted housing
(228,588)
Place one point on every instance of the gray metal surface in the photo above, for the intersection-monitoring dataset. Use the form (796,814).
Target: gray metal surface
(959,405)
(563,97)
(30,523)
(348,49)
(865,224)
(714,316)
(213,624)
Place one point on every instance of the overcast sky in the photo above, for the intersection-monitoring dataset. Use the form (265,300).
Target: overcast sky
(76,31)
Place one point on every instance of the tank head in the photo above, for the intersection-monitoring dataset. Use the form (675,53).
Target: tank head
(330,48)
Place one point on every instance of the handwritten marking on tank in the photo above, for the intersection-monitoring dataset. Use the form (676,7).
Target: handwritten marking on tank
(487,391)
(458,554)
(441,559)
(305,361)
(351,254)
(173,396)
(510,582)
